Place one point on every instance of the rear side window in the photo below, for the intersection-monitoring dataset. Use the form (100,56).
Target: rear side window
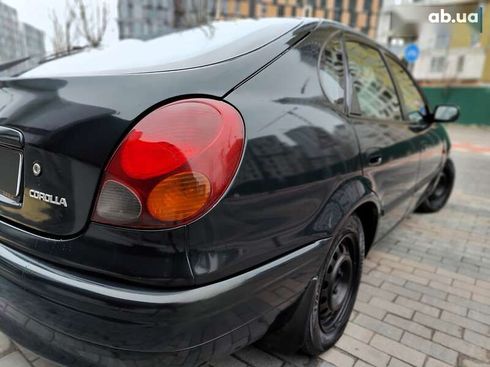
(412,99)
(374,92)
(331,69)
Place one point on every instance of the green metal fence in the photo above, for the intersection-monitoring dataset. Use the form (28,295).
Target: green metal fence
(474,102)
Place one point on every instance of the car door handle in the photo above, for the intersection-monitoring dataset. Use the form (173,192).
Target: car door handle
(375,159)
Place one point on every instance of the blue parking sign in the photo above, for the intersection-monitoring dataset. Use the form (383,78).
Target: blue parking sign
(412,52)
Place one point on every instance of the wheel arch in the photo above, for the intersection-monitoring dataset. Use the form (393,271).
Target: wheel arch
(368,213)
(353,196)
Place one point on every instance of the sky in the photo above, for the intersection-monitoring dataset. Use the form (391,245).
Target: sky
(37,13)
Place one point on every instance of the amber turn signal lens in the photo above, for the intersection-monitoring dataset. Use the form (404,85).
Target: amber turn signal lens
(179,196)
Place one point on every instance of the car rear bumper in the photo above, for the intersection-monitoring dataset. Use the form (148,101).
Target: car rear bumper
(82,322)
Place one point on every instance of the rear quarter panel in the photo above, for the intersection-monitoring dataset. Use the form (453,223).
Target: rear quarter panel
(299,152)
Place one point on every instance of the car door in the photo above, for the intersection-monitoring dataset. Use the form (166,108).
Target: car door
(389,154)
(429,137)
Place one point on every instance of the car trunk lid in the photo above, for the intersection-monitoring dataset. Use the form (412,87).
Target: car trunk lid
(69,128)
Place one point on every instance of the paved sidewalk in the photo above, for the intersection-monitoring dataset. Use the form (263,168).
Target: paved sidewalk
(425,296)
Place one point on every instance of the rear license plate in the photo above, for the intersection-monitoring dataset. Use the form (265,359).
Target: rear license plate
(10,172)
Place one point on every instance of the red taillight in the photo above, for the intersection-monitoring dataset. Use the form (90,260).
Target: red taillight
(173,166)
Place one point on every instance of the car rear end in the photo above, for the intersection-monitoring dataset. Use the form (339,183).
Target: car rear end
(94,268)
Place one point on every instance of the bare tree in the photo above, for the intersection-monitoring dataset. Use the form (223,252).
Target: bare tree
(190,13)
(64,29)
(93,23)
(179,14)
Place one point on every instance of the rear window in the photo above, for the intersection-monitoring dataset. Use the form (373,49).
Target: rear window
(213,43)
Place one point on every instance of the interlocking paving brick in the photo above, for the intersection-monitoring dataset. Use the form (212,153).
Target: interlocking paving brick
(433,276)
(448,306)
(30,356)
(481,299)
(477,306)
(370,310)
(477,339)
(466,362)
(419,265)
(363,351)
(411,277)
(483,284)
(337,358)
(453,275)
(437,324)
(431,362)
(397,363)
(361,363)
(458,344)
(449,289)
(45,363)
(359,332)
(475,315)
(401,291)
(397,265)
(372,280)
(465,322)
(377,292)
(4,343)
(391,307)
(473,288)
(398,350)
(408,325)
(379,327)
(427,290)
(385,277)
(432,349)
(417,306)
(14,359)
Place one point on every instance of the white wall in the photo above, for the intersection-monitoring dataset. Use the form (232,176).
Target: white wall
(474,59)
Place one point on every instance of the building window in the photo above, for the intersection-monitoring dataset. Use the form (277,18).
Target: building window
(442,40)
(307,11)
(438,64)
(338,5)
(460,66)
(353,19)
(475,37)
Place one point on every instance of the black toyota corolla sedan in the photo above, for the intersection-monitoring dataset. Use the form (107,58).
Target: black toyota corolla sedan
(167,201)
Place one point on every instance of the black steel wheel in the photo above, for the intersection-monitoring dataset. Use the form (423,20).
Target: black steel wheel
(337,288)
(441,192)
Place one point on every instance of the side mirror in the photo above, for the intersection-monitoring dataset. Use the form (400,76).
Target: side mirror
(445,113)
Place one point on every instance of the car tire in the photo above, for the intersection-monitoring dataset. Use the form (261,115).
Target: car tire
(440,194)
(336,290)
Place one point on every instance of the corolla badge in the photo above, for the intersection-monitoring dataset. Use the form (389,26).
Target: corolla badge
(48,198)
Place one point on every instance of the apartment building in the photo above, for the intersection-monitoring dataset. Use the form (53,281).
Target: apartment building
(18,40)
(359,14)
(454,62)
(146,19)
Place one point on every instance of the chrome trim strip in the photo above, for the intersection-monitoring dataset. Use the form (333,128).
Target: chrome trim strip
(11,137)
(19,175)
(36,268)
